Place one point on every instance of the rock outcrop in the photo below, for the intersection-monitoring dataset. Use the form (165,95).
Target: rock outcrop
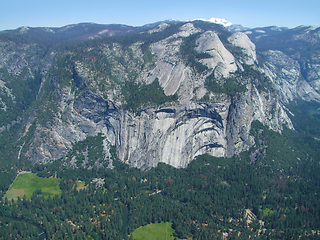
(222,60)
(172,135)
(286,75)
(87,90)
(249,49)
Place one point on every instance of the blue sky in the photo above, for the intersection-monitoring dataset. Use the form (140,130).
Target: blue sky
(249,13)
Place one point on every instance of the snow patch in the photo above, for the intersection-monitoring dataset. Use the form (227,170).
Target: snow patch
(221,21)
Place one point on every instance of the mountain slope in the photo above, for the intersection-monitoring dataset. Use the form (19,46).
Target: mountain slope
(164,93)
(292,55)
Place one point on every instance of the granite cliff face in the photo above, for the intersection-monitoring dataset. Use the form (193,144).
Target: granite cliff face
(291,60)
(220,84)
(285,73)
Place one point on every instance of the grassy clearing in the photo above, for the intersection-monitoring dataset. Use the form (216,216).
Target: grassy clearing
(267,212)
(154,231)
(80,185)
(27,184)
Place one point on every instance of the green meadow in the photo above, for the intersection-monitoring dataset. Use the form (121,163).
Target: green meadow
(154,231)
(267,212)
(27,184)
(80,185)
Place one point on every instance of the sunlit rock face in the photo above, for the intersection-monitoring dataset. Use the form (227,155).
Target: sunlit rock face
(88,97)
(285,73)
(249,49)
(174,135)
(222,60)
